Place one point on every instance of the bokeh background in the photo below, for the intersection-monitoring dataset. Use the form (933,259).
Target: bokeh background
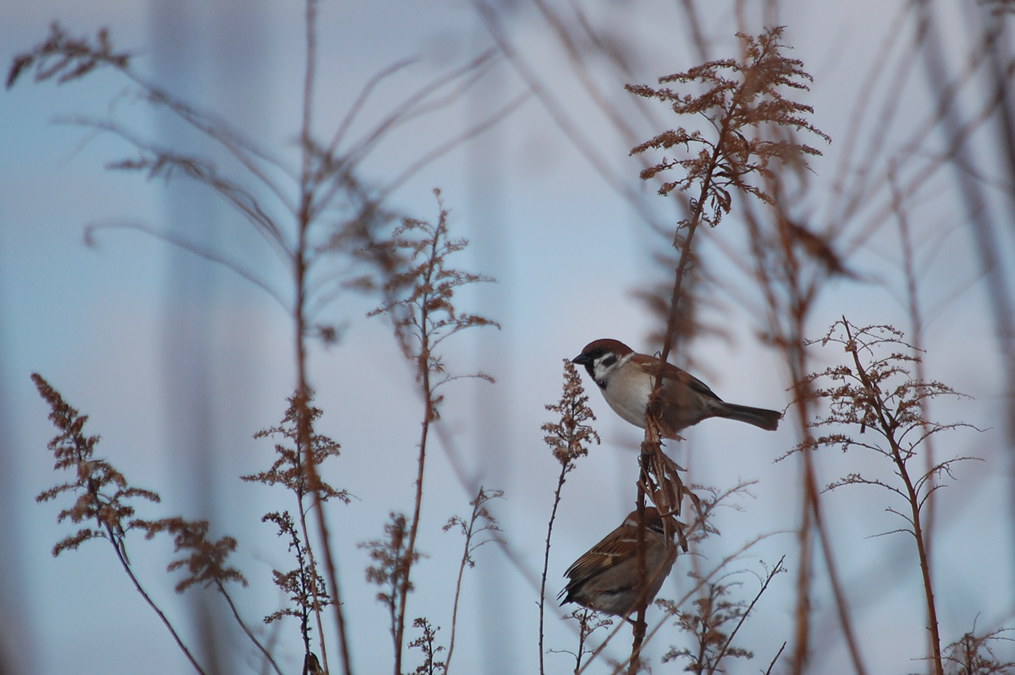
(179,361)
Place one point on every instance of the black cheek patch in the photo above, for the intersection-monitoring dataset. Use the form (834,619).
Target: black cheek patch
(608,361)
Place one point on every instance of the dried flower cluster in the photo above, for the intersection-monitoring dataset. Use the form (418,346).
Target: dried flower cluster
(421,299)
(64,58)
(420,302)
(392,561)
(569,439)
(743,100)
(289,468)
(101,497)
(876,392)
(304,587)
(707,623)
(102,492)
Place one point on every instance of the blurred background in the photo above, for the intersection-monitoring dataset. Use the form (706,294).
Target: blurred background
(178,361)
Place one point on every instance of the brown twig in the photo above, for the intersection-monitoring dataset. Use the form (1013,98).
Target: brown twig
(789,282)
(304,221)
(151,603)
(569,440)
(916,330)
(420,303)
(94,478)
(888,425)
(743,617)
(246,629)
(480,512)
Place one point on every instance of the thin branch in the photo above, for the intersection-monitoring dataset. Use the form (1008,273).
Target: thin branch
(362,98)
(151,603)
(189,246)
(246,629)
(452,143)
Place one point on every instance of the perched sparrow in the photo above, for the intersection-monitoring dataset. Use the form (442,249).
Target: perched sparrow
(311,666)
(605,578)
(626,379)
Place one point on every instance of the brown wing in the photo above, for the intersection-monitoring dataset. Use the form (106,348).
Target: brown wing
(692,401)
(674,374)
(688,399)
(614,548)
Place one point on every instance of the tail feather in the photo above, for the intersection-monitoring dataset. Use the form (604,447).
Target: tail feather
(759,417)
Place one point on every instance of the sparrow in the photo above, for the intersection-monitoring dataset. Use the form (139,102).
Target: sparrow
(626,380)
(311,666)
(605,578)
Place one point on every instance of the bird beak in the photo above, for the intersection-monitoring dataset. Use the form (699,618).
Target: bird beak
(581,360)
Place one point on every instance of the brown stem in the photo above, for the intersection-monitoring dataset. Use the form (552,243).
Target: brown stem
(803,392)
(916,330)
(304,436)
(888,427)
(243,625)
(787,323)
(336,601)
(771,665)
(546,565)
(413,529)
(313,563)
(304,219)
(116,541)
(423,369)
(921,548)
(726,645)
(652,442)
(582,634)
(639,623)
(685,259)
(458,583)
(802,626)
(304,432)
(310,476)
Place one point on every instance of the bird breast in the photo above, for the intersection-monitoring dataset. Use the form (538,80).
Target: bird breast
(627,391)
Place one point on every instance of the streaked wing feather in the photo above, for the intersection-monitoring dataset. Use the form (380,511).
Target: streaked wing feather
(602,556)
(671,372)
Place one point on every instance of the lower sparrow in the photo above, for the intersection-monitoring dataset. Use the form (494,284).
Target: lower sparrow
(626,380)
(605,578)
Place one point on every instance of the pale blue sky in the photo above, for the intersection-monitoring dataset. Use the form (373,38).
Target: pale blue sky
(102,323)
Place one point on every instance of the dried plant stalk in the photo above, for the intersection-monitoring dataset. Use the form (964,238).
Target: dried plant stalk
(479,522)
(420,302)
(876,392)
(569,440)
(102,495)
(745,110)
